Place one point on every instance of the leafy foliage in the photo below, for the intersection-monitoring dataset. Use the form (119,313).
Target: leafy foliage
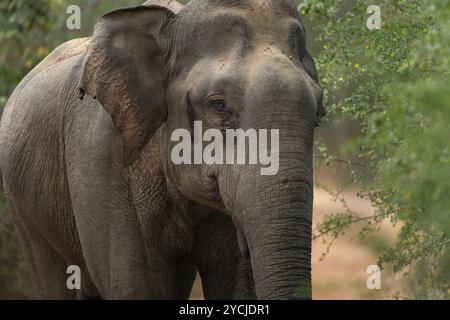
(394,82)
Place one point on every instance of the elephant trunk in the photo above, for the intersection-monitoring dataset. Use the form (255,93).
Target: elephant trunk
(275,215)
(274,212)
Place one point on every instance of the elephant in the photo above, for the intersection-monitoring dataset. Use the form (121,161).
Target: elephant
(85,144)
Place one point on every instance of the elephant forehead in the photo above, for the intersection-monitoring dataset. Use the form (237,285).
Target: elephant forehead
(248,8)
(287,6)
(226,29)
(218,19)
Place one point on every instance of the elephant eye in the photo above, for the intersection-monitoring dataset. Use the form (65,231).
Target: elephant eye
(218,104)
(219,114)
(220,108)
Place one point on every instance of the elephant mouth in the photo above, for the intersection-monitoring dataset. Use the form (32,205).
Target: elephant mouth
(243,244)
(210,186)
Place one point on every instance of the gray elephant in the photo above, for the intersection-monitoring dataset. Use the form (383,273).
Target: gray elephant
(85,154)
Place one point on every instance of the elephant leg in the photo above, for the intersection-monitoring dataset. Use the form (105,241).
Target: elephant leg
(224,271)
(186,276)
(88,290)
(47,268)
(108,228)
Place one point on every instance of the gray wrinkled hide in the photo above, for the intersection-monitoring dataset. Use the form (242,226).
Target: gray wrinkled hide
(85,155)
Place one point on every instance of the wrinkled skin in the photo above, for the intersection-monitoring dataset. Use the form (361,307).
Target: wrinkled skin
(85,155)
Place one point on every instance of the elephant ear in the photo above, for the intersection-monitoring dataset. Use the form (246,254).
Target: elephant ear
(123,69)
(310,67)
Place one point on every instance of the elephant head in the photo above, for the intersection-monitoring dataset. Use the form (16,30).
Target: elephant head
(229,64)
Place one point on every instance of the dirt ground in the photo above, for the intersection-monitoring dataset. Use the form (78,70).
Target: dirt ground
(342,274)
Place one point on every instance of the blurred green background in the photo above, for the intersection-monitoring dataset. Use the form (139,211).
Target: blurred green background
(382,154)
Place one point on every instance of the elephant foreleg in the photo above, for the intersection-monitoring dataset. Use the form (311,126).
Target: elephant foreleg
(47,268)
(225,272)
